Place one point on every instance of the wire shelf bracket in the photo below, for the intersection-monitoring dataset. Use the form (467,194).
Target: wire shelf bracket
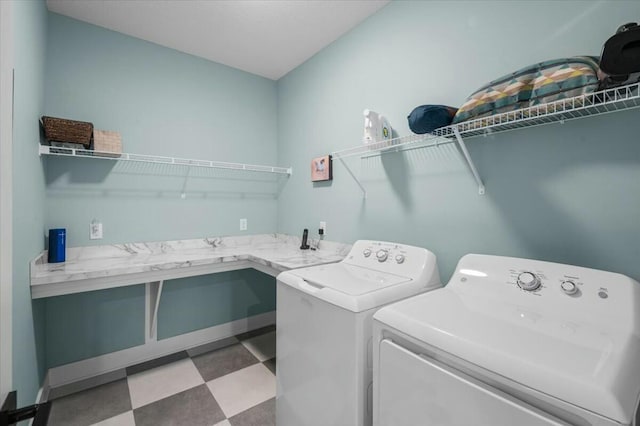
(467,157)
(156,159)
(362,188)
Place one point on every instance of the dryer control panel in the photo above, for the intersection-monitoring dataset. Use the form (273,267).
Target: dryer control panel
(546,285)
(404,260)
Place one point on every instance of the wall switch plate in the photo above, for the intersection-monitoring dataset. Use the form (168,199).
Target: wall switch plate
(323,226)
(243,224)
(95,230)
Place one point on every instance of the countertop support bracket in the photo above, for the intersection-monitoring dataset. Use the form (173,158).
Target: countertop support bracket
(153,292)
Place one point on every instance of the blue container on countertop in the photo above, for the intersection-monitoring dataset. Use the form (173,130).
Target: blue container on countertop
(57,245)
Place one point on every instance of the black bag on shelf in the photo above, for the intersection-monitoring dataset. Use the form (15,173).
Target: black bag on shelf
(620,58)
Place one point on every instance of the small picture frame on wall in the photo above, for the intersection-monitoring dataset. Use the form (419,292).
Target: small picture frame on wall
(321,169)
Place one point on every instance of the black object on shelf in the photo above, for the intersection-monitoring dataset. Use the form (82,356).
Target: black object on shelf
(620,58)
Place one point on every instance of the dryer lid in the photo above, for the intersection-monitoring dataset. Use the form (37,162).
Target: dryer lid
(351,287)
(583,349)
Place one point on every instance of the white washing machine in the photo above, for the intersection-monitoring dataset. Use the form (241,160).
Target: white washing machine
(511,342)
(324,317)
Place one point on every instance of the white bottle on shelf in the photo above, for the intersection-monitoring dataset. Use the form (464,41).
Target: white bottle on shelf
(376,127)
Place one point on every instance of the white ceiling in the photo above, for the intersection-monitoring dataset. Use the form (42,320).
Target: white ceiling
(264,37)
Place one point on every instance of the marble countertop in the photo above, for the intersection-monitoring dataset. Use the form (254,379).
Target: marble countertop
(267,252)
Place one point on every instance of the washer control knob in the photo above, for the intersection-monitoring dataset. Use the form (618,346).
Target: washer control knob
(528,281)
(569,287)
(366,252)
(382,255)
(400,258)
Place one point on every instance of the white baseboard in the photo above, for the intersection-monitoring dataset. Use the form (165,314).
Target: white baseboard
(92,367)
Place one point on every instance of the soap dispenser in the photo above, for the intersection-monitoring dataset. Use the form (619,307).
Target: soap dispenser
(315,242)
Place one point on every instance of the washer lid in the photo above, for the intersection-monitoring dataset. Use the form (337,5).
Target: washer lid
(351,287)
(582,349)
(349,279)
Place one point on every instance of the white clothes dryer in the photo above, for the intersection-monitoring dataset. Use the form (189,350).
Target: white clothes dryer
(511,342)
(324,336)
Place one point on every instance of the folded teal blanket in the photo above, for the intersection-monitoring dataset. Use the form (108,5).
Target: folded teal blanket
(536,84)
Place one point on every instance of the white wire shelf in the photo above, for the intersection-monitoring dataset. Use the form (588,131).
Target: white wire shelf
(156,159)
(597,103)
(590,104)
(392,145)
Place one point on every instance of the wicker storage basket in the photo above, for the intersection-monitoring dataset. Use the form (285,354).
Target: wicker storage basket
(107,141)
(63,130)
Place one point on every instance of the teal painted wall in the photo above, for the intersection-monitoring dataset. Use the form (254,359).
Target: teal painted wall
(29,26)
(565,193)
(163,102)
(101,321)
(229,295)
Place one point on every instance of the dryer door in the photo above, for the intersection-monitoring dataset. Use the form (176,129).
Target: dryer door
(413,390)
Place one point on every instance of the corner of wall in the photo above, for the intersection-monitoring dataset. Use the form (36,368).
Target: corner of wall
(30,26)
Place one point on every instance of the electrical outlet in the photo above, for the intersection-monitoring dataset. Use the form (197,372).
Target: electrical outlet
(95,230)
(323,226)
(243,224)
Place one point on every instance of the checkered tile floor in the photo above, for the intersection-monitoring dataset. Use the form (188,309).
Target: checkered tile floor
(230,386)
